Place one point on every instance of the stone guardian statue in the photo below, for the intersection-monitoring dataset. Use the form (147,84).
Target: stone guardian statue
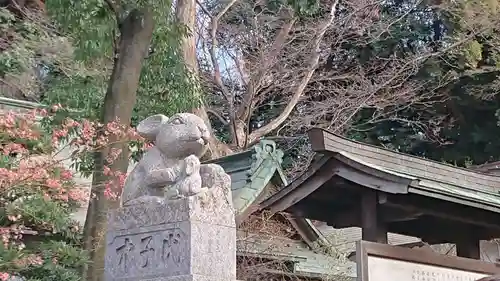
(176,221)
(171,167)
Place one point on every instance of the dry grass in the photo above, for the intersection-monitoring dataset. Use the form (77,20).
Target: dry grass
(269,248)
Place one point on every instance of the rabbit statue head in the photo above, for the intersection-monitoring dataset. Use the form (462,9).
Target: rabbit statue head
(176,137)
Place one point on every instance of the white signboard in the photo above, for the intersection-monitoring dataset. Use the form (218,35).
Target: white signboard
(384,269)
(382,262)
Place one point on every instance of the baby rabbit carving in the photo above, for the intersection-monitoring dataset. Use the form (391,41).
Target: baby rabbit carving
(190,183)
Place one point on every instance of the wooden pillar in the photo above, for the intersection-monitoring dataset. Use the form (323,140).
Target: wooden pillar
(373,227)
(382,230)
(469,248)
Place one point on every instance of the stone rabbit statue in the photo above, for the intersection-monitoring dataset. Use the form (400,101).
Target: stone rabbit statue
(173,161)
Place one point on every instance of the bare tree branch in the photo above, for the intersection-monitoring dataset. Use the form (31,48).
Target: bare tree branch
(254,84)
(313,64)
(218,115)
(215,64)
(204,9)
(286,74)
(405,66)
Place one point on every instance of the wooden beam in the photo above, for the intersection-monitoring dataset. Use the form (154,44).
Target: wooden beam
(445,210)
(468,244)
(394,214)
(369,218)
(317,139)
(362,176)
(303,228)
(373,228)
(322,211)
(469,249)
(382,231)
(432,232)
(347,215)
(303,187)
(276,201)
(388,182)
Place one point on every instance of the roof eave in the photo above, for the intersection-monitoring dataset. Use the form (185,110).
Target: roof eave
(280,201)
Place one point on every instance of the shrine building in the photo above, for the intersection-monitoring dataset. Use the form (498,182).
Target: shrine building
(352,184)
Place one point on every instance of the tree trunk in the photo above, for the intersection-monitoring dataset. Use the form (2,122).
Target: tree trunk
(136,32)
(185,12)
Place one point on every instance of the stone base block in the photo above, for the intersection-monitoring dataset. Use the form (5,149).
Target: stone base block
(166,240)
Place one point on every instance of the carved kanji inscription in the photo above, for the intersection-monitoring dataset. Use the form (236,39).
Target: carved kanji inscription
(143,253)
(148,251)
(124,253)
(170,247)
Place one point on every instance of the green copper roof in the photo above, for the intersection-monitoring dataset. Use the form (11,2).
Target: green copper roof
(251,171)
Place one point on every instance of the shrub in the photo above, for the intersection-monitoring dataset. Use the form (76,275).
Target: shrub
(40,240)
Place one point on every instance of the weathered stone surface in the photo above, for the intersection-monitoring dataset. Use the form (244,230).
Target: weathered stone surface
(192,238)
(169,164)
(177,219)
(211,207)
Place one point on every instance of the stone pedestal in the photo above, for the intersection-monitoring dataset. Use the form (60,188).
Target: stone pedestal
(192,238)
